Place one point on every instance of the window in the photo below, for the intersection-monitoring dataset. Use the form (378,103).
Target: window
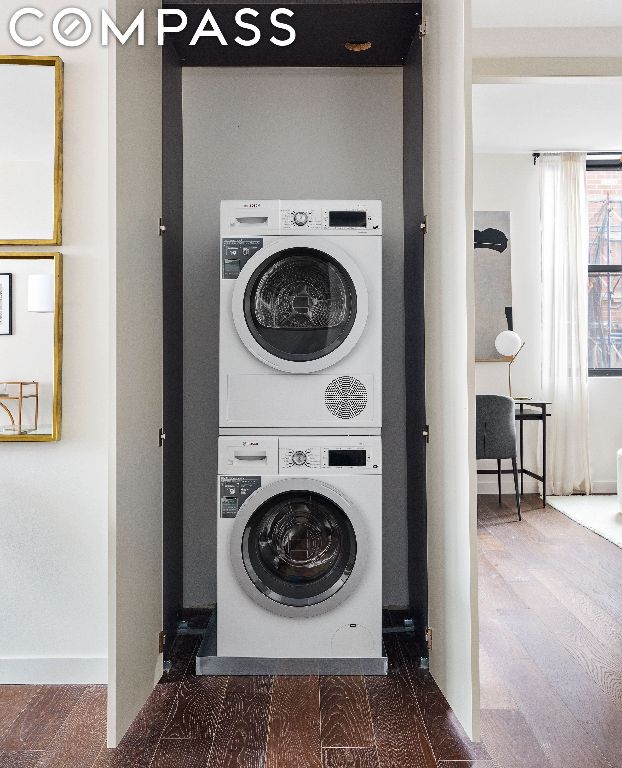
(604,195)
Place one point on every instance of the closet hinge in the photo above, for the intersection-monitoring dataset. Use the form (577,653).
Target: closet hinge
(428,637)
(426,433)
(161,227)
(424,225)
(161,641)
(161,436)
(423,27)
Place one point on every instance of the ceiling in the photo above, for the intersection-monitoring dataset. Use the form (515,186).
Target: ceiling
(547,13)
(529,117)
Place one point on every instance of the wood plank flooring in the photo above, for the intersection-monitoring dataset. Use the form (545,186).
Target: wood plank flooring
(551,639)
(551,668)
(243,722)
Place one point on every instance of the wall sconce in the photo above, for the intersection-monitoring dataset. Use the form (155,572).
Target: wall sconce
(41,293)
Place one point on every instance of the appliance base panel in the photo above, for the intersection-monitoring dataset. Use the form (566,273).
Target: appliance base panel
(209,663)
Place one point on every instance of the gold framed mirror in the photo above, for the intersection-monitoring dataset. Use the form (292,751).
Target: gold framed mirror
(31,346)
(31,150)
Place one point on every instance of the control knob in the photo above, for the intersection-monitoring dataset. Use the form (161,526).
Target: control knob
(299,458)
(300,218)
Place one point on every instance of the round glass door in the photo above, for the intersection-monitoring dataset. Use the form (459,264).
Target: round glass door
(299,548)
(300,304)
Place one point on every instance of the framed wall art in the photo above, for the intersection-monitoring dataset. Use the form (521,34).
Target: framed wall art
(493,281)
(31,357)
(6,303)
(31,150)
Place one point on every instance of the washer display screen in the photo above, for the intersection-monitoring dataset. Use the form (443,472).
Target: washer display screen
(356,219)
(347,458)
(300,304)
(299,548)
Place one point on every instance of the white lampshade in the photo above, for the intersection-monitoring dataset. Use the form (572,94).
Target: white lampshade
(41,293)
(508,343)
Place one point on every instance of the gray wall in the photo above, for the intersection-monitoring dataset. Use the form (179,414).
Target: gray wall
(285,133)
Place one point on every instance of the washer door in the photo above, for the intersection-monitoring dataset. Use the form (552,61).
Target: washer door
(300,304)
(297,547)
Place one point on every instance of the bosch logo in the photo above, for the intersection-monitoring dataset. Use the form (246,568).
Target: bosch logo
(252,205)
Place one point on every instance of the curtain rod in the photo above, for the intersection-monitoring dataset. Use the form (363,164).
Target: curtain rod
(536,155)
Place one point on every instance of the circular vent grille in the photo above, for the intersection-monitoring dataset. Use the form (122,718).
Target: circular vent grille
(345,397)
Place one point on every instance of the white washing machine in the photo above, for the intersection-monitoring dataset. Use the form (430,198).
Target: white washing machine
(299,555)
(300,293)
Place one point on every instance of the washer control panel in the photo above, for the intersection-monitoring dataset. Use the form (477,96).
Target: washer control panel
(261,218)
(313,457)
(304,219)
(234,490)
(301,219)
(301,457)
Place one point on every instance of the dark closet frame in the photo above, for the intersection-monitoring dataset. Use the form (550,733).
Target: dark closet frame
(322,29)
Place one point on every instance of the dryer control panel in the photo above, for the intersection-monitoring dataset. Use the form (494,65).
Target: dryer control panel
(236,251)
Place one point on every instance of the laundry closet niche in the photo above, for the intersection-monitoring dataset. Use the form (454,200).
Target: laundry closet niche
(317,121)
(287,132)
(296,133)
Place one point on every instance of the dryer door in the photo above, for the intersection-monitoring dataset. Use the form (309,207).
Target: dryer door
(297,547)
(300,304)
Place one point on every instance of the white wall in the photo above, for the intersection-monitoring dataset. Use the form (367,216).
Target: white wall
(450,386)
(54,497)
(332,133)
(510,182)
(28,353)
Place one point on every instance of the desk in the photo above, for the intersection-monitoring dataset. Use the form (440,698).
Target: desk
(19,395)
(531,410)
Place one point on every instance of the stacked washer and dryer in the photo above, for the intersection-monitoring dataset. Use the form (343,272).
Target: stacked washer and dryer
(299,543)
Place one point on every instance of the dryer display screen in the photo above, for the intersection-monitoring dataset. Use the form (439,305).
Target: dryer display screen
(347,219)
(347,458)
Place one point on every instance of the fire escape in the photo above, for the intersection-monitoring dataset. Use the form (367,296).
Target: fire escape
(605,289)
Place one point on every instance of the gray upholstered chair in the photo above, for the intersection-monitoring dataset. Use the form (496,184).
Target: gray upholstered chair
(496,435)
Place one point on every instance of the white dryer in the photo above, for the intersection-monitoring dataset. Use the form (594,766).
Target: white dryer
(300,293)
(299,554)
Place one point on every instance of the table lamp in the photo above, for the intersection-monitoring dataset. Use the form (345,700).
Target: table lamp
(509,344)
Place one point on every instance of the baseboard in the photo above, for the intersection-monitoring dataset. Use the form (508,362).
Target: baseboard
(63,670)
(605,486)
(489,486)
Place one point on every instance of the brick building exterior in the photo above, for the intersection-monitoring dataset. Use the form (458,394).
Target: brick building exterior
(604,191)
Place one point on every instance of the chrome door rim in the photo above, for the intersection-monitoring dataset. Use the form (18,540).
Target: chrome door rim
(337,254)
(343,588)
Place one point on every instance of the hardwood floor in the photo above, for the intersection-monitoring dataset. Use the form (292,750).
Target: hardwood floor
(551,668)
(550,639)
(245,722)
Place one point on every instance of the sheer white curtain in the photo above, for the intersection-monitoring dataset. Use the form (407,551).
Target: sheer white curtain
(564,231)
